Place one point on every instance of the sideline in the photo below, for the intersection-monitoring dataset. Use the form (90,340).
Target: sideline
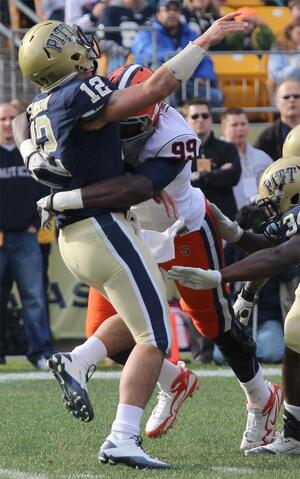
(220,373)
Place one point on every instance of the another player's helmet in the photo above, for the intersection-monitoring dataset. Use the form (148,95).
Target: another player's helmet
(279,190)
(291,146)
(136,127)
(52,53)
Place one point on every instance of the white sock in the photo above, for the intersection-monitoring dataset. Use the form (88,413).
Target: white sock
(168,374)
(127,422)
(293,410)
(90,352)
(256,390)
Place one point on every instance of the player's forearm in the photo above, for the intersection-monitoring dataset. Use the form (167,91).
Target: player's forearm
(20,128)
(257,266)
(252,242)
(119,192)
(122,191)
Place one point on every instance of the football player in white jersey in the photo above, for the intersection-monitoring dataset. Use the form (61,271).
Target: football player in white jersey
(279,204)
(193,240)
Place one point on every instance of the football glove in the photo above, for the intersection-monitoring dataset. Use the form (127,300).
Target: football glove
(195,278)
(46,211)
(229,230)
(243,306)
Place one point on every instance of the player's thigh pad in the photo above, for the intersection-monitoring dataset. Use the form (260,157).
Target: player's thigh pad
(292,325)
(105,253)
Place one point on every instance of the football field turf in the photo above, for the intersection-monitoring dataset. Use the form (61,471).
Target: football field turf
(41,440)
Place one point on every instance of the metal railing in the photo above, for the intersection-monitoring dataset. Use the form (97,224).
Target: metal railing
(14,85)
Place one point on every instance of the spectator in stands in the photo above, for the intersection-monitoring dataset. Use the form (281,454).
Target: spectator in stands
(172,36)
(19,105)
(200,15)
(50,9)
(258,36)
(272,138)
(19,249)
(295,8)
(218,168)
(128,15)
(285,65)
(84,13)
(235,128)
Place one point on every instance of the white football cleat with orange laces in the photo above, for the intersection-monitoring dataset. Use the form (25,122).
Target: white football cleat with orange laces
(261,422)
(169,403)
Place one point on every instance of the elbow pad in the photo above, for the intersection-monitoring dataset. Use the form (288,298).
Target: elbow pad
(44,169)
(48,171)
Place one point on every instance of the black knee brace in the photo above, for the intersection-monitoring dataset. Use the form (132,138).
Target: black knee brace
(236,343)
(238,348)
(121,357)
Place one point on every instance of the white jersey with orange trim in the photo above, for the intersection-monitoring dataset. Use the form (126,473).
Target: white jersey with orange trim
(173,138)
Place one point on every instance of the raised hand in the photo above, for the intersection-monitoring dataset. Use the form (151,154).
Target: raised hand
(219,29)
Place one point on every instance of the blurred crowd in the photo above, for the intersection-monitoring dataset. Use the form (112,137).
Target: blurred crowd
(227,170)
(151,31)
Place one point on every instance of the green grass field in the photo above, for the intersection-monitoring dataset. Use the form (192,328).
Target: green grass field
(40,440)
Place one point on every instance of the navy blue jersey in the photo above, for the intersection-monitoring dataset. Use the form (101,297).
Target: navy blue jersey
(290,224)
(55,121)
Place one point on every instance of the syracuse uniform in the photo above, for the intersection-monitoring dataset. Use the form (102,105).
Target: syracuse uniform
(196,244)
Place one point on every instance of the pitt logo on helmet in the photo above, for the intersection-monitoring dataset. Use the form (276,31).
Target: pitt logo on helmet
(279,178)
(58,37)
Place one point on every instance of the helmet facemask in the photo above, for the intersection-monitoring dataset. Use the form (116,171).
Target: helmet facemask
(89,41)
(271,217)
(134,133)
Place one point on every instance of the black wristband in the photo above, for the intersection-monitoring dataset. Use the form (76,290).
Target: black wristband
(248,295)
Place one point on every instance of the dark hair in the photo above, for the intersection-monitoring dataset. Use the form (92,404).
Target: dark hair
(232,111)
(193,102)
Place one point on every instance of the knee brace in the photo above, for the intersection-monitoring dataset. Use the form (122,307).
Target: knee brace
(238,348)
(236,344)
(121,357)
(292,328)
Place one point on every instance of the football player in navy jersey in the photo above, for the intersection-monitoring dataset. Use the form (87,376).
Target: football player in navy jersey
(279,204)
(99,246)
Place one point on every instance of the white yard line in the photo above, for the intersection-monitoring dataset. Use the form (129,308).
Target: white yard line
(233,470)
(221,373)
(14,474)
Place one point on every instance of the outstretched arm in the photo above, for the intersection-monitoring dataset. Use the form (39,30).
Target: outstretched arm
(165,80)
(267,262)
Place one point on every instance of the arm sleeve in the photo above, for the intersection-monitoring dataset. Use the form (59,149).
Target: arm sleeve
(160,171)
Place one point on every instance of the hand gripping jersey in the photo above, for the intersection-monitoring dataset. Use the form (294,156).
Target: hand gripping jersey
(174,139)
